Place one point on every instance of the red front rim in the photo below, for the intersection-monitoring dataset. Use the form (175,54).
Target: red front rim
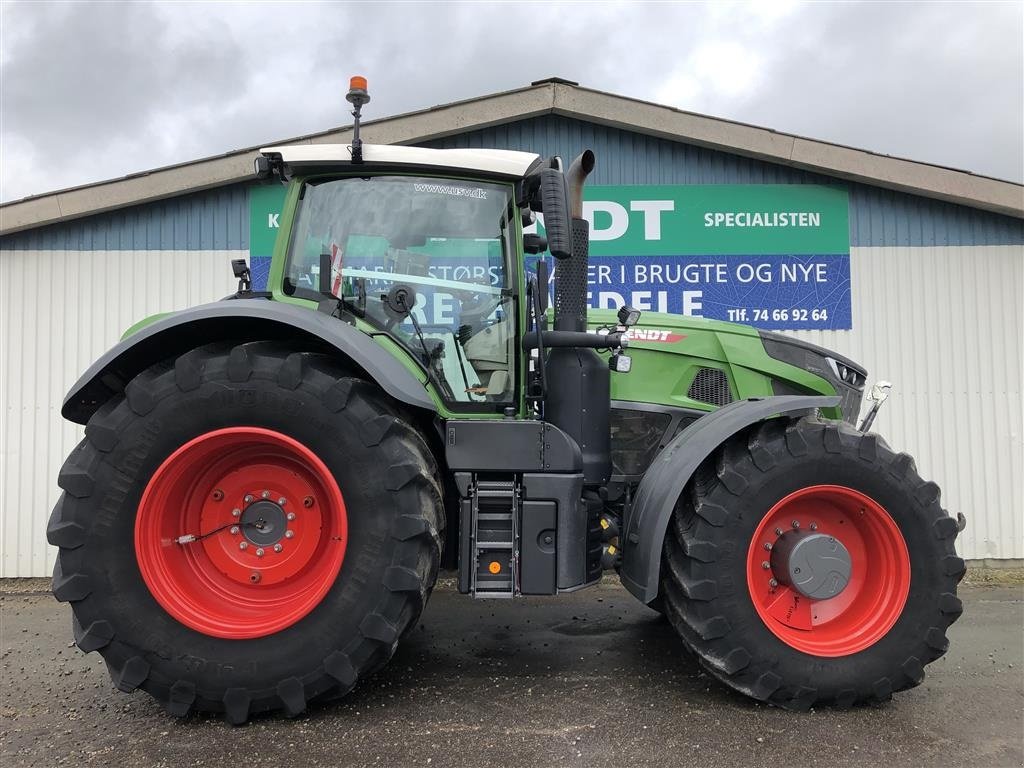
(873,599)
(282,538)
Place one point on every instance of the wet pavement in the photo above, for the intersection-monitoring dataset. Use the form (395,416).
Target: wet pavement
(589,679)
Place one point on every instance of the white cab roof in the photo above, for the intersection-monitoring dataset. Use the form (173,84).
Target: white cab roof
(499,161)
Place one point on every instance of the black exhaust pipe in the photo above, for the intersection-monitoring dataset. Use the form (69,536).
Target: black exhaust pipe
(578,399)
(577,176)
(571,277)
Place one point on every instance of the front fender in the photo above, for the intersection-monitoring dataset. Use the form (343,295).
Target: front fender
(237,320)
(648,517)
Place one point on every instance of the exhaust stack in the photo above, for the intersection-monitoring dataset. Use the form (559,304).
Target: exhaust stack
(571,282)
(577,176)
(578,396)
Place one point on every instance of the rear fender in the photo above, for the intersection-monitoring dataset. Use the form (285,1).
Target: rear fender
(648,517)
(238,320)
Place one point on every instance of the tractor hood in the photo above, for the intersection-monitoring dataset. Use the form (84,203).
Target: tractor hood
(699,364)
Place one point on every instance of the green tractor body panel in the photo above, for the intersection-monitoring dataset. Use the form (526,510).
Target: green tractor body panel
(146,321)
(669,352)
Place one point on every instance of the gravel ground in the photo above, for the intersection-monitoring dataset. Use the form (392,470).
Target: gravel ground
(587,679)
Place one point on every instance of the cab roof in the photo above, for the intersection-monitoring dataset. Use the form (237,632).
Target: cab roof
(500,162)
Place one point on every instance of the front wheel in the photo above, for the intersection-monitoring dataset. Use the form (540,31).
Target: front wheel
(246,530)
(807,563)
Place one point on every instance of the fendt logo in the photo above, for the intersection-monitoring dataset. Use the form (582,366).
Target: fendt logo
(653,334)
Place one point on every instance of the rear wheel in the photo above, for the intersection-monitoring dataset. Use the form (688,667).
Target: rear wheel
(246,530)
(807,563)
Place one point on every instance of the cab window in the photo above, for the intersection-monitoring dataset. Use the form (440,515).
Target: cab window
(428,261)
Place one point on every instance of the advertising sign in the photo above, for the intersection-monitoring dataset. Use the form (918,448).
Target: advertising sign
(265,204)
(771,256)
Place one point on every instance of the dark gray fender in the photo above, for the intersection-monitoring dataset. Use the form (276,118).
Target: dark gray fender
(648,517)
(241,320)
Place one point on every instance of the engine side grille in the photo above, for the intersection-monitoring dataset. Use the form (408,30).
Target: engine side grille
(710,385)
(850,404)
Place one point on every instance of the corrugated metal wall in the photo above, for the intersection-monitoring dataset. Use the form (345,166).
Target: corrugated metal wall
(877,216)
(938,301)
(944,324)
(59,311)
(215,219)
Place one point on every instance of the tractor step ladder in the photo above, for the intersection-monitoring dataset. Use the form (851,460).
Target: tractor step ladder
(495,539)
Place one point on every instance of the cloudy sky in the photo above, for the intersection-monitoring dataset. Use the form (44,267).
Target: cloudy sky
(90,91)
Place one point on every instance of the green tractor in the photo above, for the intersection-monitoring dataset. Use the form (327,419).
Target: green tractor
(269,484)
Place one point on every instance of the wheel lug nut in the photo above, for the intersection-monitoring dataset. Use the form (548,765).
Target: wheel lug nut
(796,525)
(765,564)
(234,529)
(278,547)
(307,502)
(265,494)
(236,512)
(290,515)
(289,534)
(249,498)
(282,501)
(768,545)
(773,583)
(813,526)
(243,545)
(259,552)
(778,531)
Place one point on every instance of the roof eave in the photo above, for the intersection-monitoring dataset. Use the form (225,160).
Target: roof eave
(562,98)
(196,176)
(923,179)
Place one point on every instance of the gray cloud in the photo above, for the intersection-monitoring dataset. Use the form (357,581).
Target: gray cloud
(90,91)
(938,83)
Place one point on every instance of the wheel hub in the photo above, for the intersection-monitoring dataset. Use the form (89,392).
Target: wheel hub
(277,524)
(814,564)
(828,570)
(264,523)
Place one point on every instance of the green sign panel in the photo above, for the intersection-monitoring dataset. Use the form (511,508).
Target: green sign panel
(771,255)
(265,204)
(717,219)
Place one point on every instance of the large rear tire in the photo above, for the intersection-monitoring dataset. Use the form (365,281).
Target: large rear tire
(319,516)
(750,627)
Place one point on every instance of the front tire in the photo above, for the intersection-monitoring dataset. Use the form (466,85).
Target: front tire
(751,628)
(319,520)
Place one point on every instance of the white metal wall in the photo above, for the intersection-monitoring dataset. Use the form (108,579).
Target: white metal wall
(943,323)
(59,311)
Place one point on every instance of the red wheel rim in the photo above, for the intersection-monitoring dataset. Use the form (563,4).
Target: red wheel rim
(282,538)
(873,599)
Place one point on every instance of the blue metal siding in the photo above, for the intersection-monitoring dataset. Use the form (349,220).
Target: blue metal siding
(219,219)
(878,217)
(216,219)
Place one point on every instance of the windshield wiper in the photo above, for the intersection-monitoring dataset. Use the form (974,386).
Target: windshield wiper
(402,303)
(340,302)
